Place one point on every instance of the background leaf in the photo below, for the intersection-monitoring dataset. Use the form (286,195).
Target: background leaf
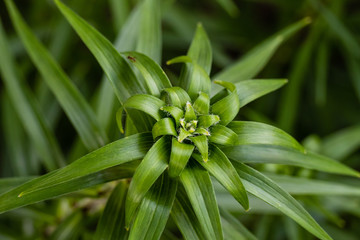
(264,188)
(75,106)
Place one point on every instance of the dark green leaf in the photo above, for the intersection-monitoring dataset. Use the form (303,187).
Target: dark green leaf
(202,145)
(70,228)
(227,108)
(155,78)
(200,191)
(111,225)
(259,153)
(202,103)
(221,168)
(175,96)
(185,218)
(180,154)
(149,40)
(11,199)
(254,61)
(165,126)
(305,186)
(121,151)
(151,167)
(25,106)
(260,133)
(74,104)
(154,210)
(265,189)
(117,70)
(222,135)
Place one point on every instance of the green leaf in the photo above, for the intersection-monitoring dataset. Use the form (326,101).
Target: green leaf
(149,40)
(180,154)
(342,143)
(151,167)
(154,210)
(221,168)
(165,126)
(229,6)
(223,135)
(25,106)
(200,50)
(154,76)
(74,104)
(199,80)
(265,189)
(260,133)
(70,228)
(206,121)
(200,191)
(347,38)
(119,11)
(125,41)
(145,103)
(260,153)
(291,95)
(179,59)
(117,70)
(111,225)
(202,103)
(227,108)
(175,112)
(11,199)
(250,90)
(202,145)
(183,134)
(16,146)
(175,96)
(7,184)
(118,152)
(195,75)
(234,226)
(185,218)
(305,186)
(254,61)
(189,112)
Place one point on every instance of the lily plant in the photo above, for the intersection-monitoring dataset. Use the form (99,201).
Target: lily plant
(178,140)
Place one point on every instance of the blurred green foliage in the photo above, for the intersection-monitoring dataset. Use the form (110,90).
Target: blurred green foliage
(320,104)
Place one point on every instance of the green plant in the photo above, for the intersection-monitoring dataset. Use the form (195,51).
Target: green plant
(182,134)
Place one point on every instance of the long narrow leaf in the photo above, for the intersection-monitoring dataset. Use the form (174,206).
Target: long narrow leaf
(260,133)
(154,76)
(304,186)
(235,226)
(151,167)
(121,151)
(11,200)
(254,61)
(258,153)
(200,191)
(150,41)
(154,210)
(111,225)
(221,168)
(185,218)
(265,189)
(115,67)
(74,104)
(24,104)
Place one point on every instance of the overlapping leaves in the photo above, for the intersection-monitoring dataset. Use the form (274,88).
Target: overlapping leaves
(193,136)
